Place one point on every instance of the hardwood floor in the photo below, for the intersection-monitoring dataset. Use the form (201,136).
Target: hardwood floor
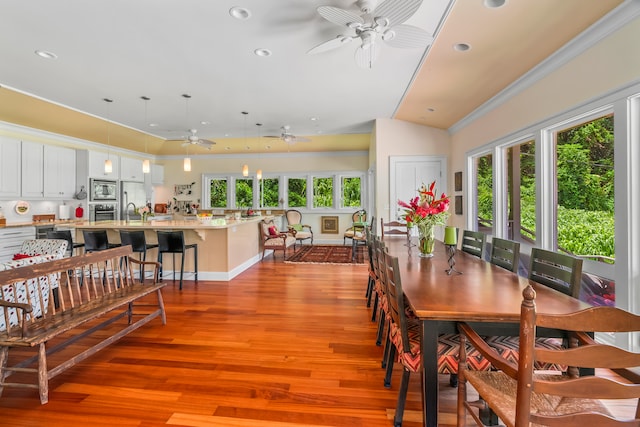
(280,345)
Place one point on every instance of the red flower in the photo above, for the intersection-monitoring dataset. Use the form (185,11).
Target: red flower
(426,208)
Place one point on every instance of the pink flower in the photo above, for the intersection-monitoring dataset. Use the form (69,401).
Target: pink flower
(425,208)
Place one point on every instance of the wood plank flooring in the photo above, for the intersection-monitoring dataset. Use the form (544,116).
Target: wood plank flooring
(282,345)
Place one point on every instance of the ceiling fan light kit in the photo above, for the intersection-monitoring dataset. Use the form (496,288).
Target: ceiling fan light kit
(386,21)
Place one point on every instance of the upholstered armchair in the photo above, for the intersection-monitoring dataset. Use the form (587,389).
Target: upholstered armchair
(302,231)
(357,228)
(274,239)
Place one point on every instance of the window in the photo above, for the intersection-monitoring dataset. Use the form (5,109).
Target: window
(297,188)
(322,192)
(484,180)
(351,192)
(585,190)
(218,193)
(521,186)
(269,193)
(244,193)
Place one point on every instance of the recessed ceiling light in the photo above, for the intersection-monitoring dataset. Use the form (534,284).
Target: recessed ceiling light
(153,125)
(313,119)
(240,13)
(46,54)
(262,52)
(204,122)
(461,47)
(494,3)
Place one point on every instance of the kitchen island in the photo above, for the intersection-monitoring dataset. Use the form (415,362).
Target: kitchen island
(225,247)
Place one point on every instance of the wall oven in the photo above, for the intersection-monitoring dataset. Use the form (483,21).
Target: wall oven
(103,212)
(102,190)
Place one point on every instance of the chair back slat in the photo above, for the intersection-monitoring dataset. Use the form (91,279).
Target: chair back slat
(473,243)
(393,228)
(558,271)
(505,254)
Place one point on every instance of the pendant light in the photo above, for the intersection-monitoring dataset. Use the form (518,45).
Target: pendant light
(245,167)
(259,171)
(146,166)
(186,164)
(108,165)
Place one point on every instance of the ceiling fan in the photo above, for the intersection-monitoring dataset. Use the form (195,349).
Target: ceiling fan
(384,22)
(193,139)
(288,137)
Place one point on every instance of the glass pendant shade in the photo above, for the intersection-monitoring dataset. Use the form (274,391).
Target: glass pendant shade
(245,170)
(146,166)
(108,166)
(187,164)
(259,174)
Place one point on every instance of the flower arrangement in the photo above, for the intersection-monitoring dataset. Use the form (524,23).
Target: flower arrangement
(144,212)
(426,211)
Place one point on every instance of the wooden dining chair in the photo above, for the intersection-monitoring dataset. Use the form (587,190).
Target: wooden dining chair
(520,396)
(561,272)
(473,243)
(393,228)
(505,254)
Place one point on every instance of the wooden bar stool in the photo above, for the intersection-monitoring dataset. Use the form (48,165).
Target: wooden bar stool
(136,239)
(172,242)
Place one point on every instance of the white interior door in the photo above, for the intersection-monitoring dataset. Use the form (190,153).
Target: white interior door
(408,173)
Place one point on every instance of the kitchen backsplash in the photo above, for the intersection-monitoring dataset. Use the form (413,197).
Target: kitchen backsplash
(37,207)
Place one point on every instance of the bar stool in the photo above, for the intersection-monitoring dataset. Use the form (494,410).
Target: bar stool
(172,242)
(96,240)
(65,235)
(136,239)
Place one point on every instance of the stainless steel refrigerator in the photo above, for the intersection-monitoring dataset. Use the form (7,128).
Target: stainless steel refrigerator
(132,196)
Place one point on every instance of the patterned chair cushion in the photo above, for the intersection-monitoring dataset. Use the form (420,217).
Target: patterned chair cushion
(26,292)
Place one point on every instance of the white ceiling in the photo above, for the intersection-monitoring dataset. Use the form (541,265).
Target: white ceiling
(124,49)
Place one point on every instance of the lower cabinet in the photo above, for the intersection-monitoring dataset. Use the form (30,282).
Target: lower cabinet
(11,239)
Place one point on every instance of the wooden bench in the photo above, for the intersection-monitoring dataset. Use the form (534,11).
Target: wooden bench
(90,292)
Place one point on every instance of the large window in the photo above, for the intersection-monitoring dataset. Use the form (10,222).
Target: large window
(218,193)
(297,192)
(521,188)
(269,192)
(244,193)
(484,179)
(351,192)
(322,192)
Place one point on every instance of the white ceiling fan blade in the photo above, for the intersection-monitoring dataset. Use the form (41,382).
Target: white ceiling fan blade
(366,56)
(339,16)
(407,36)
(206,143)
(330,44)
(184,144)
(397,11)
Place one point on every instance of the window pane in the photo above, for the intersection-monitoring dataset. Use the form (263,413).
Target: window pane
(351,189)
(484,180)
(585,199)
(218,190)
(269,193)
(322,192)
(297,191)
(522,192)
(244,193)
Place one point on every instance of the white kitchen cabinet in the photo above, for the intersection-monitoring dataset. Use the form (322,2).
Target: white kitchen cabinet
(59,172)
(32,170)
(157,174)
(131,169)
(11,239)
(96,165)
(10,167)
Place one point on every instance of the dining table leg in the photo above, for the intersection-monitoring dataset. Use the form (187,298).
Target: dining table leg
(430,373)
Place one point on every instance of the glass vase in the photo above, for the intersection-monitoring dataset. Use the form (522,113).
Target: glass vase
(426,240)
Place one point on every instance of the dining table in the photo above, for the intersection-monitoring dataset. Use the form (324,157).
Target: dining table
(479,292)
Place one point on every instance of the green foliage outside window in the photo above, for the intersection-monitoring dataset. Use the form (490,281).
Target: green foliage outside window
(322,192)
(244,193)
(270,193)
(351,189)
(297,192)
(485,188)
(218,189)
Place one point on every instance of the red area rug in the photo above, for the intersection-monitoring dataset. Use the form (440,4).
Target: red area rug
(325,254)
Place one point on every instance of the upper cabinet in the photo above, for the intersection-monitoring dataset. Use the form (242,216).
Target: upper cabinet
(157,174)
(10,166)
(59,172)
(96,161)
(131,169)
(32,170)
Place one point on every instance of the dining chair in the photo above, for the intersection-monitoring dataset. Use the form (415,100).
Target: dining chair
(505,254)
(371,279)
(354,230)
(173,242)
(520,396)
(473,243)
(561,272)
(302,231)
(393,228)
(360,237)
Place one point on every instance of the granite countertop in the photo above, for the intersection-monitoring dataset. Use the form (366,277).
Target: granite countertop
(174,224)
(41,223)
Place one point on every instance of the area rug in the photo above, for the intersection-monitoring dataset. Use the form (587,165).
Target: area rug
(325,254)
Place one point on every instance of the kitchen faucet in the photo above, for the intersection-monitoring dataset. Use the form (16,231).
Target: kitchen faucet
(127,209)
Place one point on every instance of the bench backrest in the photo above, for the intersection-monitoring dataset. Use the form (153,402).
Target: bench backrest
(79,280)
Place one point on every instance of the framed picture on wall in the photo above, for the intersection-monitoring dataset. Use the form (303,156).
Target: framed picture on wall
(458,181)
(457,203)
(329,225)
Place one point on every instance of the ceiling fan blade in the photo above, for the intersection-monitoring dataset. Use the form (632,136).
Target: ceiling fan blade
(366,56)
(272,136)
(339,16)
(397,11)
(330,44)
(407,36)
(184,144)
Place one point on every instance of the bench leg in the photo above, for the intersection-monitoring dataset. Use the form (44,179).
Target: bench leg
(4,356)
(43,380)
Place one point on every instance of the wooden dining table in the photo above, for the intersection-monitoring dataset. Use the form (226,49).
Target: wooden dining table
(484,294)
